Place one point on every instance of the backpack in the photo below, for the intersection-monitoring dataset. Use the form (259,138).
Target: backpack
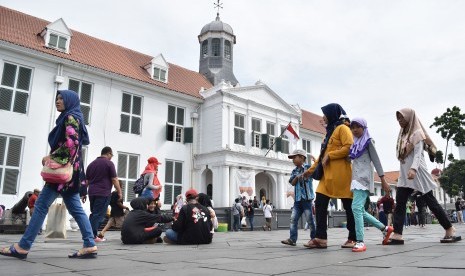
(139,185)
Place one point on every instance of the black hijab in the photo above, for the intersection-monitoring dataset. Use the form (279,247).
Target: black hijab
(333,112)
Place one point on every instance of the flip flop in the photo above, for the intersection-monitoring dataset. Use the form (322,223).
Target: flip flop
(78,255)
(451,239)
(395,242)
(13,253)
(315,244)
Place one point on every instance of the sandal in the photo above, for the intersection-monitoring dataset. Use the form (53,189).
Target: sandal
(451,239)
(316,244)
(83,254)
(12,252)
(348,244)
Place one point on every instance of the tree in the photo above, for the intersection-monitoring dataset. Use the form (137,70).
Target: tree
(451,125)
(453,178)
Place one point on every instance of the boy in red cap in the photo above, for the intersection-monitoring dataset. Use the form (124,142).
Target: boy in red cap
(193,224)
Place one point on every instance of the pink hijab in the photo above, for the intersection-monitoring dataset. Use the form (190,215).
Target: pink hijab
(416,132)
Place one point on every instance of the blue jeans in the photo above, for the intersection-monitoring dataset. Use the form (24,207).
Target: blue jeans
(361,216)
(73,204)
(98,209)
(250,219)
(147,193)
(171,235)
(300,208)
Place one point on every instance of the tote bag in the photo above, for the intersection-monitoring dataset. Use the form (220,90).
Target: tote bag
(56,222)
(53,172)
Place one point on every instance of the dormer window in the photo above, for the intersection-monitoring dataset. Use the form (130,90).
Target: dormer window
(58,42)
(159,74)
(57,36)
(158,68)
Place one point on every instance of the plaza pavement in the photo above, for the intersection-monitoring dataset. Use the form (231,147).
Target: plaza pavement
(247,253)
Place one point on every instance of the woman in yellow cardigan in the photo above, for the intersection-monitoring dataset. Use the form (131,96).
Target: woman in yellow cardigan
(335,182)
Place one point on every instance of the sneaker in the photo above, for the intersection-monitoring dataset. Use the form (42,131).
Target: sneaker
(387,233)
(97,239)
(166,240)
(288,242)
(100,235)
(359,247)
(348,244)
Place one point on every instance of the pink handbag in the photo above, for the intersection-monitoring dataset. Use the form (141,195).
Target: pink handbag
(56,173)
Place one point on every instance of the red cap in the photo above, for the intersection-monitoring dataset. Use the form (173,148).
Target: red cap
(153,160)
(192,193)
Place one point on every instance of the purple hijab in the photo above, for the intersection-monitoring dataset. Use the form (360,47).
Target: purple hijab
(360,144)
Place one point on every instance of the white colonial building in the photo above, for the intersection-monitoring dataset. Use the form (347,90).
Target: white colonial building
(209,132)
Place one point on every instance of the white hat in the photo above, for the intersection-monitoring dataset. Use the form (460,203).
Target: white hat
(297,152)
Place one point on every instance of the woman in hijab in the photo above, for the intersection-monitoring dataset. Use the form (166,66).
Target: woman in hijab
(414,176)
(335,182)
(205,201)
(153,188)
(65,141)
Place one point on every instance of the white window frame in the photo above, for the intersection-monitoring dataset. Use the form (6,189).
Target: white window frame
(307,147)
(271,131)
(285,141)
(80,95)
(59,38)
(239,128)
(174,182)
(4,166)
(127,178)
(15,88)
(160,74)
(178,135)
(256,133)
(131,113)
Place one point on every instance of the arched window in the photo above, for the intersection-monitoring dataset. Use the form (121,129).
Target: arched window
(210,191)
(216,47)
(205,48)
(227,49)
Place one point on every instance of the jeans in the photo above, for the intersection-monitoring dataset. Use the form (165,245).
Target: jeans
(171,235)
(147,193)
(237,222)
(300,208)
(361,215)
(321,209)
(250,219)
(73,204)
(98,209)
(399,214)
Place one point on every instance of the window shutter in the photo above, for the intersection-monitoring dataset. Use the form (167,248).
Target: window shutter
(169,172)
(73,85)
(168,194)
(279,144)
(14,152)
(24,78)
(126,103)
(86,93)
(188,135)
(131,194)
(171,114)
(20,104)
(9,74)
(177,190)
(137,105)
(265,141)
(180,116)
(6,96)
(133,162)
(124,126)
(2,149)
(10,182)
(86,112)
(122,164)
(135,125)
(169,132)
(178,172)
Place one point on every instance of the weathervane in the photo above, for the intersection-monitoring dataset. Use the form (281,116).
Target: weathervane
(218,6)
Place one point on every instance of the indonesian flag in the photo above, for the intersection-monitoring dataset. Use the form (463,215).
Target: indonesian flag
(291,134)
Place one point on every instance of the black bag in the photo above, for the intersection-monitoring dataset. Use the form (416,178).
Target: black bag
(318,172)
(139,185)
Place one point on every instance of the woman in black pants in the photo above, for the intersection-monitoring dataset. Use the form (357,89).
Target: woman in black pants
(414,176)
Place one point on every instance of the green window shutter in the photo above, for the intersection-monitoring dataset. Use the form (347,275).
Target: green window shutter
(188,135)
(265,141)
(279,144)
(169,132)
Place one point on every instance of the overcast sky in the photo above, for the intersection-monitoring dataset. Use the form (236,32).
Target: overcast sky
(372,57)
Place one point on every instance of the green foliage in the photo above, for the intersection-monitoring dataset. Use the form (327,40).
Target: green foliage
(439,157)
(453,178)
(451,125)
(450,157)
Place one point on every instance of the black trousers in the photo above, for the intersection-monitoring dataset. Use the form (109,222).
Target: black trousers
(321,212)
(402,196)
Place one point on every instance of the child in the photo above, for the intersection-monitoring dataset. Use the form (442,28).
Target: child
(117,214)
(363,154)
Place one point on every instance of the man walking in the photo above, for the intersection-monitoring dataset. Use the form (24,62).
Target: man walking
(100,176)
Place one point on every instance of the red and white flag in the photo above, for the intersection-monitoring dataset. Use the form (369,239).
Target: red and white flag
(291,134)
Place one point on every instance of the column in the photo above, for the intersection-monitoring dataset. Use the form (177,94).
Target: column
(233,189)
(281,195)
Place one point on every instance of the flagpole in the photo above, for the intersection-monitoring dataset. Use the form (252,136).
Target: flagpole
(274,142)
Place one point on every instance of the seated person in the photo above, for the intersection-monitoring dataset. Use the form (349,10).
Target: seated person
(205,201)
(133,230)
(193,224)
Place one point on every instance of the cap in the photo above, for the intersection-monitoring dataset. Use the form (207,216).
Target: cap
(297,152)
(153,160)
(36,191)
(192,193)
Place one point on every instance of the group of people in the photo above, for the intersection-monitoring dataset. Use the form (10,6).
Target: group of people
(345,171)
(244,212)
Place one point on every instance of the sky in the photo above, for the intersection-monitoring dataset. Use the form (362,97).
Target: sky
(372,57)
